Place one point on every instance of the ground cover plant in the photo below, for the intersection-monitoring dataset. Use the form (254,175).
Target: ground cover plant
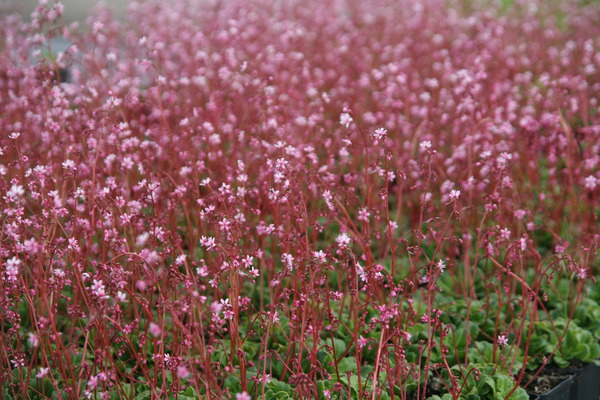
(298,199)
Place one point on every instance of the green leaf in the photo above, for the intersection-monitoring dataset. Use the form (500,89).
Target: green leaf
(278,395)
(145,395)
(445,396)
(339,347)
(365,370)
(233,384)
(486,385)
(347,364)
(520,394)
(384,396)
(278,386)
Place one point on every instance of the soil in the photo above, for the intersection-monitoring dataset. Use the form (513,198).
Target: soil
(548,379)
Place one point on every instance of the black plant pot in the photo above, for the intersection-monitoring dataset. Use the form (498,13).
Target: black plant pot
(562,391)
(586,383)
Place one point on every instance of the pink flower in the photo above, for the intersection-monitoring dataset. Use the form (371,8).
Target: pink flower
(454,195)
(441,265)
(155,329)
(208,242)
(12,269)
(380,133)
(362,342)
(343,240)
(345,119)
(93,382)
(364,214)
(266,378)
(98,289)
(15,192)
(274,317)
(590,182)
(70,165)
(243,396)
(288,260)
(33,339)
(182,372)
(42,372)
(425,145)
(320,256)
(502,340)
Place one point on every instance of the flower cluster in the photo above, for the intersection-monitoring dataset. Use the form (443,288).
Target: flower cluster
(220,197)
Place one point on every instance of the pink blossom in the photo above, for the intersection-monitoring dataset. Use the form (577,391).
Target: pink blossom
(345,119)
(43,371)
(98,289)
(590,182)
(12,269)
(380,133)
(343,240)
(454,195)
(155,329)
(243,396)
(502,340)
(425,145)
(182,372)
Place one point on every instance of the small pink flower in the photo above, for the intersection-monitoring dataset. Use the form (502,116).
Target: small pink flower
(155,329)
(288,260)
(364,214)
(42,373)
(182,372)
(380,133)
(33,339)
(243,396)
(523,243)
(208,242)
(274,317)
(15,192)
(591,182)
(441,265)
(320,256)
(98,289)
(93,382)
(454,195)
(70,165)
(362,342)
(12,268)
(345,119)
(502,340)
(425,145)
(343,241)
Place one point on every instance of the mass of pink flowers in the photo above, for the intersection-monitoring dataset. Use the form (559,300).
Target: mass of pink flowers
(211,197)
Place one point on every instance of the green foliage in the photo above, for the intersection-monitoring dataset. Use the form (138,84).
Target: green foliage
(586,315)
(578,343)
(142,392)
(278,390)
(491,384)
